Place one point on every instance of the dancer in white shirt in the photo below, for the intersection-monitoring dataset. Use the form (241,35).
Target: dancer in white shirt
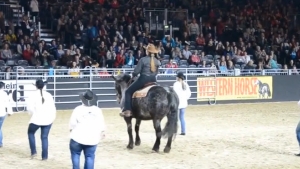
(87,128)
(41,107)
(5,109)
(183,91)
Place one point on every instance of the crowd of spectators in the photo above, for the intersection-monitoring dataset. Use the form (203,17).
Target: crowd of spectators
(113,34)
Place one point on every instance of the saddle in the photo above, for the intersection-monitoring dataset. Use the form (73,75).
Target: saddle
(144,91)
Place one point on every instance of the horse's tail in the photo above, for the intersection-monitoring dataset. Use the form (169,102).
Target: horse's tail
(170,129)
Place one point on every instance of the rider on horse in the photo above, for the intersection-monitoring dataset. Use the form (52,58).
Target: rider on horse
(147,67)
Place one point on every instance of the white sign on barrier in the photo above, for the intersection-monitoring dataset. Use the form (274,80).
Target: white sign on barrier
(19,90)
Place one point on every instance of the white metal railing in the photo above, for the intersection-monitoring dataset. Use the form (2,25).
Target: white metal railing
(92,78)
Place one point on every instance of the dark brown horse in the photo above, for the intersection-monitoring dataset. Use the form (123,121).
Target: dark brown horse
(151,103)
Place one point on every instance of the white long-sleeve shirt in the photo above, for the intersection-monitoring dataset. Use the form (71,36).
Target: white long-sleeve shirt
(41,114)
(5,106)
(86,125)
(183,95)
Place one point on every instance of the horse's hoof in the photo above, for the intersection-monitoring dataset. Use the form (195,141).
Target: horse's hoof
(155,151)
(130,147)
(137,143)
(167,150)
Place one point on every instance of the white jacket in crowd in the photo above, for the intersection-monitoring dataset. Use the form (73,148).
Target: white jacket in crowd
(183,95)
(5,106)
(34,5)
(41,114)
(87,124)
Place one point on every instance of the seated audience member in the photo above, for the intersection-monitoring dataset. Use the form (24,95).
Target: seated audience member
(295,71)
(21,47)
(249,65)
(186,53)
(195,59)
(285,67)
(60,51)
(168,40)
(200,40)
(119,61)
(28,54)
(130,60)
(230,65)
(273,63)
(51,68)
(78,62)
(6,53)
(74,70)
(223,67)
(291,64)
(10,37)
(8,73)
(171,66)
(260,65)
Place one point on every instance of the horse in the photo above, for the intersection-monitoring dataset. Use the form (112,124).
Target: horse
(153,102)
(263,89)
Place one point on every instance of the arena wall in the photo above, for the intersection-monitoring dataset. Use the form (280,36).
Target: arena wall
(205,90)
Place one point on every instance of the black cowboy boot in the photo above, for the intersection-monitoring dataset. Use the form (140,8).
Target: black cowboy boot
(126,113)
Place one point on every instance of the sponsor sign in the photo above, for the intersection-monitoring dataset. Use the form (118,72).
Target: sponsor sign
(234,88)
(19,90)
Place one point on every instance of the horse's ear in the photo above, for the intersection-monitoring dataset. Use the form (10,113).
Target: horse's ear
(113,77)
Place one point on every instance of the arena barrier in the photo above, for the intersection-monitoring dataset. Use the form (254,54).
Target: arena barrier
(207,86)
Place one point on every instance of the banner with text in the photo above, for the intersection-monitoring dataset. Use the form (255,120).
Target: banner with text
(234,88)
(19,90)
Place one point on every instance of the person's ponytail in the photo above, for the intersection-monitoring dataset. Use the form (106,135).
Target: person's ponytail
(43,100)
(152,63)
(183,85)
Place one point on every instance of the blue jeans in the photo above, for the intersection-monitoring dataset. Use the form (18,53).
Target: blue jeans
(182,120)
(298,133)
(89,154)
(1,135)
(44,138)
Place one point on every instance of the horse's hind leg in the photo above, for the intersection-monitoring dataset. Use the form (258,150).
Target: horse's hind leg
(129,130)
(137,129)
(156,124)
(169,143)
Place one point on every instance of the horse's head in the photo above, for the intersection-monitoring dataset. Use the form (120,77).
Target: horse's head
(257,82)
(121,84)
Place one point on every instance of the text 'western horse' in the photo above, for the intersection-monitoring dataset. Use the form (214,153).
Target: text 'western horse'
(153,102)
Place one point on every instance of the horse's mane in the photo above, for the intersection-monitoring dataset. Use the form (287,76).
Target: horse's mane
(125,78)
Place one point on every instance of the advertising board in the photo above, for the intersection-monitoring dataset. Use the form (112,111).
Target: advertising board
(234,88)
(19,90)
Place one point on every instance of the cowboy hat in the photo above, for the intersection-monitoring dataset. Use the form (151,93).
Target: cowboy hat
(89,98)
(151,48)
(39,83)
(180,75)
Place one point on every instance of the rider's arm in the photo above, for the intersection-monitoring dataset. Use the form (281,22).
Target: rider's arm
(138,68)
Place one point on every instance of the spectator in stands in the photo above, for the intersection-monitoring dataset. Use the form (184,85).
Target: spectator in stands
(194,59)
(8,73)
(60,51)
(168,41)
(25,26)
(6,53)
(21,47)
(10,37)
(120,59)
(130,60)
(51,68)
(2,22)
(223,67)
(74,70)
(291,64)
(230,65)
(28,54)
(249,65)
(194,30)
(171,66)
(186,53)
(34,6)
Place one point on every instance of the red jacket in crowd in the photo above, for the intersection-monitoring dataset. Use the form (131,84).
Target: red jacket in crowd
(119,61)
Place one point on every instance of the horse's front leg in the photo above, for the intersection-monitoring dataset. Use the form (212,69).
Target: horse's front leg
(137,129)
(129,130)
(157,127)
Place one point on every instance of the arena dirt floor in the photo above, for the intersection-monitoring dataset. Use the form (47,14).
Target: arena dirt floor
(243,136)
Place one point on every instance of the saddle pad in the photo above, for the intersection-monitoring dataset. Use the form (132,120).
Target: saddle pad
(143,92)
